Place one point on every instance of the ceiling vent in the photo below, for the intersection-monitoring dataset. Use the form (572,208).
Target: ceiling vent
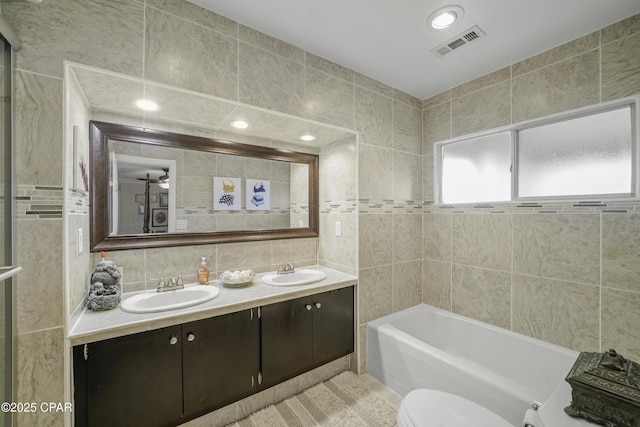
(472,34)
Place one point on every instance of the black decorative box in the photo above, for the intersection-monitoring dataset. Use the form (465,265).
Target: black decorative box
(605,389)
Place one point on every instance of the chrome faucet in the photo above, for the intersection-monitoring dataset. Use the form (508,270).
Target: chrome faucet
(172,285)
(286,268)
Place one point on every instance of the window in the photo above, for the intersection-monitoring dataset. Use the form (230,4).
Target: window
(477,169)
(589,155)
(582,154)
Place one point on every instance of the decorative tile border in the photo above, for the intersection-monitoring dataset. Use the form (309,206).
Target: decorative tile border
(368,206)
(338,206)
(78,202)
(536,207)
(39,202)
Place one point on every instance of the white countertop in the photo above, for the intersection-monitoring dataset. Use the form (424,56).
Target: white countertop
(91,326)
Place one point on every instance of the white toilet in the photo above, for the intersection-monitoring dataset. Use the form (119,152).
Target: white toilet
(433,408)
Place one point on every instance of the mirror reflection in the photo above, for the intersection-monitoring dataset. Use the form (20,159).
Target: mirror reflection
(153,188)
(165,190)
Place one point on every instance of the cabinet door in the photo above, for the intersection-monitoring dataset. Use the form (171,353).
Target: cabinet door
(286,340)
(220,357)
(333,325)
(135,380)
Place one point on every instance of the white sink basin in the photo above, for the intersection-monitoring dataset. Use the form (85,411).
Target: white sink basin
(149,302)
(302,276)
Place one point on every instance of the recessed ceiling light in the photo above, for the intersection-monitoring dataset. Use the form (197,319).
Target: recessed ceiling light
(445,16)
(146,105)
(239,124)
(307,138)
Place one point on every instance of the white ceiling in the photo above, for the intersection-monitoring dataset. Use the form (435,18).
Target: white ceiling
(388,40)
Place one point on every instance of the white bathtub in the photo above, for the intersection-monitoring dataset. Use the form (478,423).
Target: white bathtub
(506,372)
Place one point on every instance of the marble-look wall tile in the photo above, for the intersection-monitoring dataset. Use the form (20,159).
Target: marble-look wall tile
(428,192)
(407,128)
(621,29)
(165,262)
(338,171)
(375,293)
(621,251)
(173,55)
(339,251)
(39,303)
(376,240)
(197,192)
(483,109)
(558,312)
(46,28)
(38,127)
(558,87)
(263,41)
(271,81)
(407,176)
(438,99)
(240,256)
(620,320)
(197,14)
(328,99)
(405,98)
(373,118)
(621,68)
(298,251)
(482,240)
(482,294)
(368,83)
(560,53)
(407,239)
(436,126)
(375,173)
(407,287)
(39,375)
(436,283)
(557,246)
(436,236)
(328,67)
(482,82)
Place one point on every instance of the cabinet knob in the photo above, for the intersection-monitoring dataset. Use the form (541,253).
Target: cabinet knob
(173,340)
(308,307)
(190,337)
(318,305)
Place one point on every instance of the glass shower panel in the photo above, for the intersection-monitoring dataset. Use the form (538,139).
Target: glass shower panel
(590,155)
(6,233)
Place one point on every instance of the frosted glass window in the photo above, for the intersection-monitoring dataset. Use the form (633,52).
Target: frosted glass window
(477,170)
(590,155)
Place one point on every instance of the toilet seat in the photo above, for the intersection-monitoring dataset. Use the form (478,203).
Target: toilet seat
(433,408)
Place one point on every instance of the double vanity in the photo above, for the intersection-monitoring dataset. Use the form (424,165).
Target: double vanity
(180,356)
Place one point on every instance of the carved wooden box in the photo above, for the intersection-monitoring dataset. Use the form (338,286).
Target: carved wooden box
(605,389)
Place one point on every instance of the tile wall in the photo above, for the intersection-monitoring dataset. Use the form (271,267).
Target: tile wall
(566,274)
(140,38)
(385,177)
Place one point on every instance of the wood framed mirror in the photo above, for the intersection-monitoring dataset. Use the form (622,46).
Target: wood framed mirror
(265,193)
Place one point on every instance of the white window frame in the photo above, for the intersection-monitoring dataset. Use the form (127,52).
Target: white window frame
(632,101)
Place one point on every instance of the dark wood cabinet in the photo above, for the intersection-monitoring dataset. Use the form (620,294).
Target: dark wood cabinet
(221,360)
(168,376)
(133,380)
(301,334)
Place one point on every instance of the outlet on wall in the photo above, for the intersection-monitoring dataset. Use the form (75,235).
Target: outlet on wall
(338,230)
